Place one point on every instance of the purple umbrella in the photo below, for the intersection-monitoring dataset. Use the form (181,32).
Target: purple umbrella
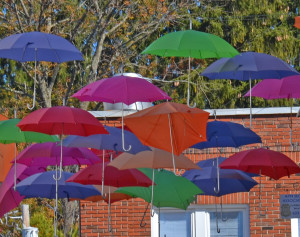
(287,87)
(38,46)
(121,89)
(249,66)
(9,198)
(48,153)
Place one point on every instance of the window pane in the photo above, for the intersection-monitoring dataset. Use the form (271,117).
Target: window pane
(232,226)
(175,224)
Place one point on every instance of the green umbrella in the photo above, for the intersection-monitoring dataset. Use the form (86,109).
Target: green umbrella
(170,190)
(191,44)
(10,133)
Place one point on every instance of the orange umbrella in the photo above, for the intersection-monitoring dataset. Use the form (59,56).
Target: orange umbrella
(155,159)
(297,22)
(169,126)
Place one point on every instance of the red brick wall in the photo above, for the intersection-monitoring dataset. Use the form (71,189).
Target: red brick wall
(275,133)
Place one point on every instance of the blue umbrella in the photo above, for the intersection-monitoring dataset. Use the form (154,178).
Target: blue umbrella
(249,66)
(44,186)
(111,141)
(38,46)
(210,176)
(227,134)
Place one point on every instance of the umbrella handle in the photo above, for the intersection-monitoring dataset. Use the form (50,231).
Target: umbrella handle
(123,136)
(34,82)
(142,220)
(217,223)
(226,218)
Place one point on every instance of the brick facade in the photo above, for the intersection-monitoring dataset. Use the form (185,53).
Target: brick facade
(275,133)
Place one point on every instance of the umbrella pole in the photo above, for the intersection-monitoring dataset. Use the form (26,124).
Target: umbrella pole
(152,193)
(103,157)
(260,211)
(188,91)
(34,82)
(250,102)
(291,126)
(56,203)
(15,176)
(217,224)
(123,137)
(109,224)
(218,178)
(171,138)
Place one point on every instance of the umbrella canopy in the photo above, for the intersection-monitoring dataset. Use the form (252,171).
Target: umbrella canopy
(38,46)
(114,197)
(111,141)
(9,198)
(124,89)
(112,176)
(249,66)
(287,87)
(170,190)
(297,22)
(43,185)
(191,43)
(169,126)
(62,120)
(10,133)
(155,159)
(45,154)
(231,180)
(262,161)
(227,134)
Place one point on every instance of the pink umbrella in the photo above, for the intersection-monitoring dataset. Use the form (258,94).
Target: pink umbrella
(121,89)
(9,198)
(48,153)
(287,87)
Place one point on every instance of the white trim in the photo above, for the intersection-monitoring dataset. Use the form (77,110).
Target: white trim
(295,227)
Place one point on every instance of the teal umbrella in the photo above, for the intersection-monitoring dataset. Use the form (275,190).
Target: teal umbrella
(170,190)
(11,133)
(191,44)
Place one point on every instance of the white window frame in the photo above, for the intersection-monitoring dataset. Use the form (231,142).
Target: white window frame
(202,228)
(295,227)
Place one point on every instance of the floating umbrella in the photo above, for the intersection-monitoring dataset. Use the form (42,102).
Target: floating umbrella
(263,162)
(169,126)
(191,44)
(209,177)
(249,66)
(61,120)
(121,89)
(43,185)
(48,154)
(287,87)
(10,133)
(38,46)
(297,22)
(111,141)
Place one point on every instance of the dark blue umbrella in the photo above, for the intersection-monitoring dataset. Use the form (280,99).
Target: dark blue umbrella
(38,46)
(227,134)
(210,177)
(44,186)
(111,141)
(249,66)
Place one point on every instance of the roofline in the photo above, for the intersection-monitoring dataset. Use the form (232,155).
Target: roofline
(212,112)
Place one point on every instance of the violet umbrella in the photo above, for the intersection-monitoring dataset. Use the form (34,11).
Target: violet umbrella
(61,120)
(249,66)
(287,87)
(48,154)
(263,162)
(9,198)
(231,180)
(121,89)
(38,46)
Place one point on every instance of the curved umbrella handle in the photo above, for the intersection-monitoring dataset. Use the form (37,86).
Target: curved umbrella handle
(123,136)
(217,223)
(34,82)
(142,220)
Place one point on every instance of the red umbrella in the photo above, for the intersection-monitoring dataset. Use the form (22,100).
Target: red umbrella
(297,22)
(112,176)
(263,162)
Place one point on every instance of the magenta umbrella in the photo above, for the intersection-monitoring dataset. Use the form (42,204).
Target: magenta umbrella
(48,153)
(9,198)
(121,89)
(287,87)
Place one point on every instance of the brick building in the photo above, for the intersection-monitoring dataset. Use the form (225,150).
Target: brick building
(240,211)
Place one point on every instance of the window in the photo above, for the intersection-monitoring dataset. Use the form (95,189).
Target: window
(200,221)
(295,227)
